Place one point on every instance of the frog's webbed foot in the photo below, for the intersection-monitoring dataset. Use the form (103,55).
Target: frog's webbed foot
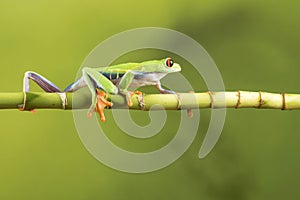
(21,107)
(101,104)
(33,111)
(140,98)
(128,95)
(138,92)
(190,113)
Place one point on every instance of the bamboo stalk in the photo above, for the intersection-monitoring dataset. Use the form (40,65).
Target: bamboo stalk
(236,99)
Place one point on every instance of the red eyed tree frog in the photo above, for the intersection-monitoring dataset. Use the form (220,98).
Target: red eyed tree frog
(116,79)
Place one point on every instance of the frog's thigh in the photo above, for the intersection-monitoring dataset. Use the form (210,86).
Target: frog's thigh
(101,80)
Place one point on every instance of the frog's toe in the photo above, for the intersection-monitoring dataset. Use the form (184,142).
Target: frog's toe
(190,113)
(138,92)
(21,108)
(128,95)
(101,104)
(128,98)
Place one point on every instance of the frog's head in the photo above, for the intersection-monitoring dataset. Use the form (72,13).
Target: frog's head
(166,65)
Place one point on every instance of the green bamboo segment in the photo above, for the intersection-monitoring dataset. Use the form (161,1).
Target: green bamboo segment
(237,99)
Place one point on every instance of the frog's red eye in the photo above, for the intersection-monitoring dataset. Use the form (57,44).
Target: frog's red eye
(169,62)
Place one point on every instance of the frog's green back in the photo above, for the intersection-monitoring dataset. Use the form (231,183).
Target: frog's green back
(122,68)
(166,65)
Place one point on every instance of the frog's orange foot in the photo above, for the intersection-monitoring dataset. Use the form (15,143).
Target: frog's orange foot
(101,104)
(21,108)
(140,98)
(138,92)
(190,113)
(129,96)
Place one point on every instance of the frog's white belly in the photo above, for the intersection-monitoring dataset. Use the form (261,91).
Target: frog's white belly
(142,79)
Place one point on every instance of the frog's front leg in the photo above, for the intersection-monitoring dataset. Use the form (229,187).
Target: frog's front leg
(162,90)
(124,84)
(95,81)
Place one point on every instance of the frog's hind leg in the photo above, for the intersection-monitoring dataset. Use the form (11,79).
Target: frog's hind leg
(80,83)
(102,103)
(95,81)
(44,83)
(162,90)
(41,81)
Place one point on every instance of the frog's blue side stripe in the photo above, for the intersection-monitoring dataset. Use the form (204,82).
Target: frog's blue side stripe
(112,76)
(80,83)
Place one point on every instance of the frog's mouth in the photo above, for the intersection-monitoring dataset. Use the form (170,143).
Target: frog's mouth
(175,68)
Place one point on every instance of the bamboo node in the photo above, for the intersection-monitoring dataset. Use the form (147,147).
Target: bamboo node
(238,103)
(63,98)
(211,99)
(261,101)
(178,101)
(22,106)
(283,101)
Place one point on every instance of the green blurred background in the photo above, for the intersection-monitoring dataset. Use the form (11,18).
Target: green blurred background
(254,43)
